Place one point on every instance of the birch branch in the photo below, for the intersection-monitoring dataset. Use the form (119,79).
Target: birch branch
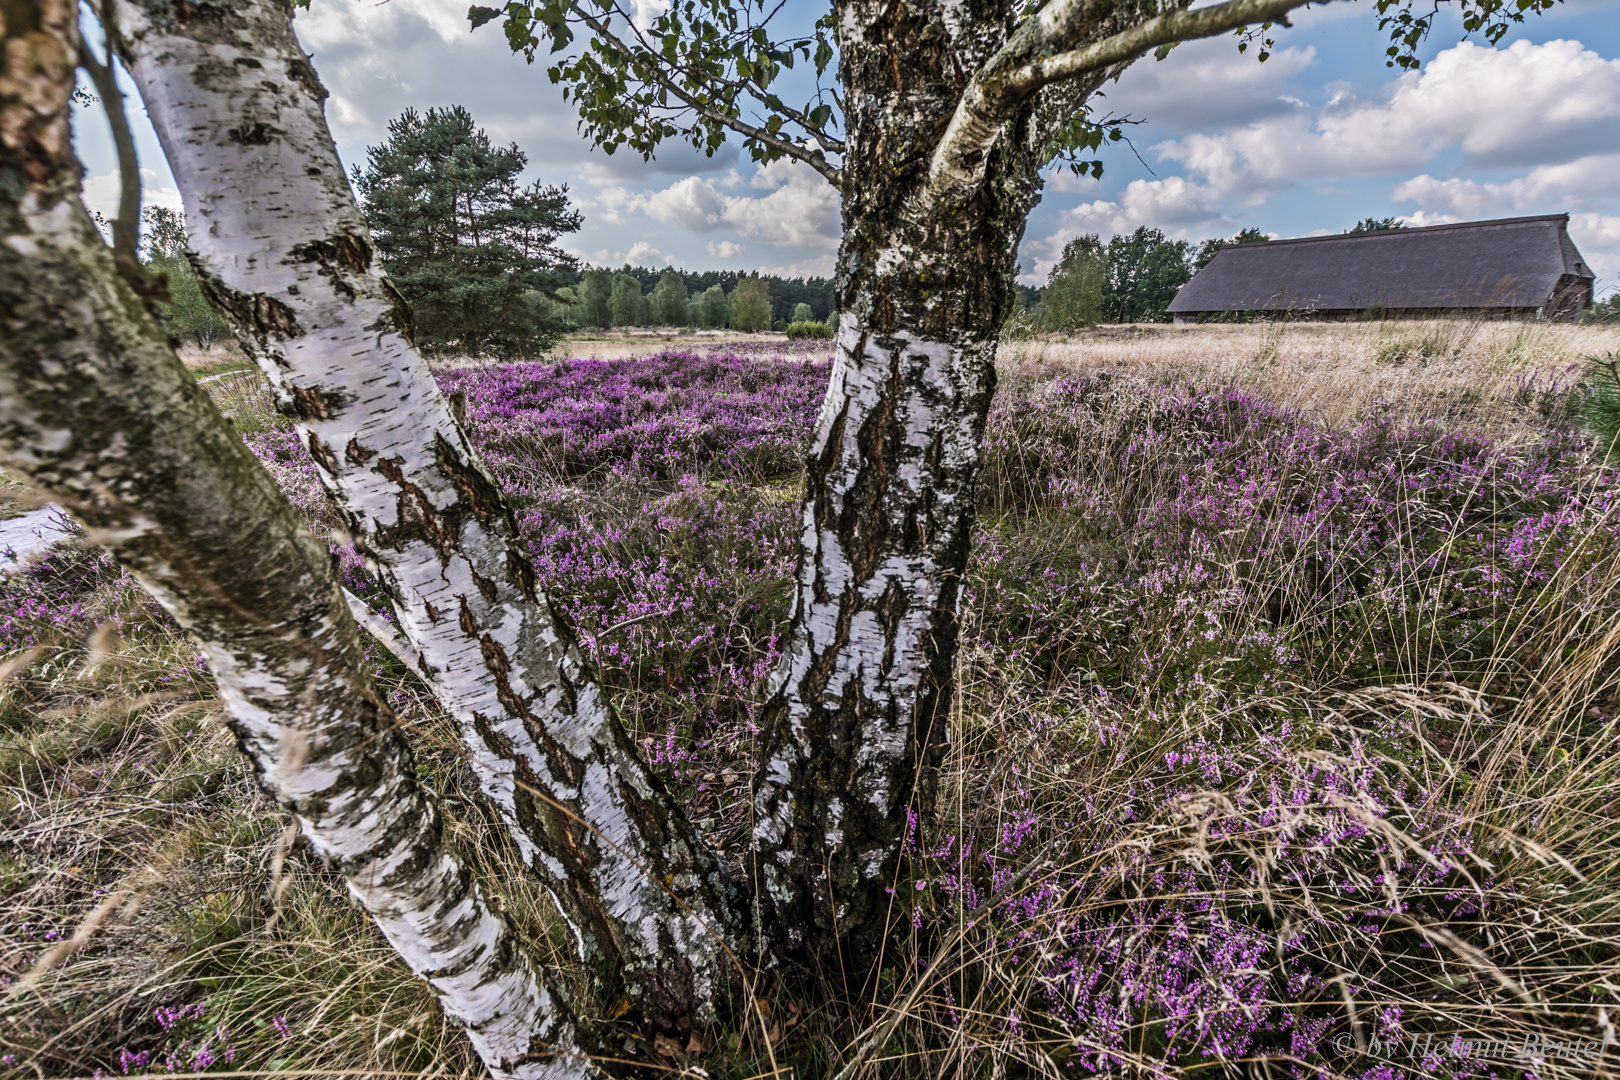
(655,72)
(1043,52)
(386,635)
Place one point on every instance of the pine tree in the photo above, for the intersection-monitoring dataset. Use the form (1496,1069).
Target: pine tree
(472,251)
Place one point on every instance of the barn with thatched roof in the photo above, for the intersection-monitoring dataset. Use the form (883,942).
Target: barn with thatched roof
(1512,268)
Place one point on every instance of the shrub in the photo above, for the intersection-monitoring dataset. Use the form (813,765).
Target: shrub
(809,330)
(1597,404)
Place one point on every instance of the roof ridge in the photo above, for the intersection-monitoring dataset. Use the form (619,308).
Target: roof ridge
(1409,231)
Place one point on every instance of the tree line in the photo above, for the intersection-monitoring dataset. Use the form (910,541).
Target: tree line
(713,300)
(474,253)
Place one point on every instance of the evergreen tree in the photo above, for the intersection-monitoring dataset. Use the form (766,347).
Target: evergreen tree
(596,299)
(1074,288)
(471,250)
(624,301)
(751,305)
(669,307)
(187,316)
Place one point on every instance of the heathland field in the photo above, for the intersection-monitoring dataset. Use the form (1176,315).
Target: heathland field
(1285,741)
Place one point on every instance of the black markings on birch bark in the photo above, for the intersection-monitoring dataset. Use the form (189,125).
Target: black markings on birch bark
(96,409)
(854,733)
(285,248)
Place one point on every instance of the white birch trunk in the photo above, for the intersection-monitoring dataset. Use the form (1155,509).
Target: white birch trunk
(283,249)
(856,722)
(855,732)
(96,409)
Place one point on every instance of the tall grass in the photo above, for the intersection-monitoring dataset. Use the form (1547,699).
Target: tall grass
(1283,746)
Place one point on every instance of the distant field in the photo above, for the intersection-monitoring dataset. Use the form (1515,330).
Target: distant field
(1477,373)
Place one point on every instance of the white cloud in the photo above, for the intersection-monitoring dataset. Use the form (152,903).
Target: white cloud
(1580,182)
(692,204)
(1206,84)
(642,253)
(377,59)
(725,249)
(800,210)
(100,192)
(1598,237)
(1528,103)
(1176,205)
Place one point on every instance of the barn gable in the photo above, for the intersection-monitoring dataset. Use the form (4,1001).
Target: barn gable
(1524,266)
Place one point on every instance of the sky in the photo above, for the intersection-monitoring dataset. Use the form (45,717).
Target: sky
(1318,137)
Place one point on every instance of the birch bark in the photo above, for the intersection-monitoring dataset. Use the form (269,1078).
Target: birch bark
(283,250)
(855,732)
(96,409)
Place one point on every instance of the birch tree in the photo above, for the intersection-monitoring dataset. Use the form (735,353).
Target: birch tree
(943,118)
(96,409)
(282,249)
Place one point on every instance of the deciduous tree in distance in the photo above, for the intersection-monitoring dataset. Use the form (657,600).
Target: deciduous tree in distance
(1212,247)
(1074,288)
(669,300)
(187,313)
(751,306)
(624,302)
(596,299)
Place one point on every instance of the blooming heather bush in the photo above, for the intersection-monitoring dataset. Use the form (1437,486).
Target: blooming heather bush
(1281,749)
(1199,536)
(665,417)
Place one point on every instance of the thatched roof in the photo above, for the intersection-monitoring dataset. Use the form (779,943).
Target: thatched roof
(1507,263)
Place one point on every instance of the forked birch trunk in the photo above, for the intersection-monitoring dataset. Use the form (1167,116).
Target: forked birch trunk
(96,409)
(282,249)
(855,732)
